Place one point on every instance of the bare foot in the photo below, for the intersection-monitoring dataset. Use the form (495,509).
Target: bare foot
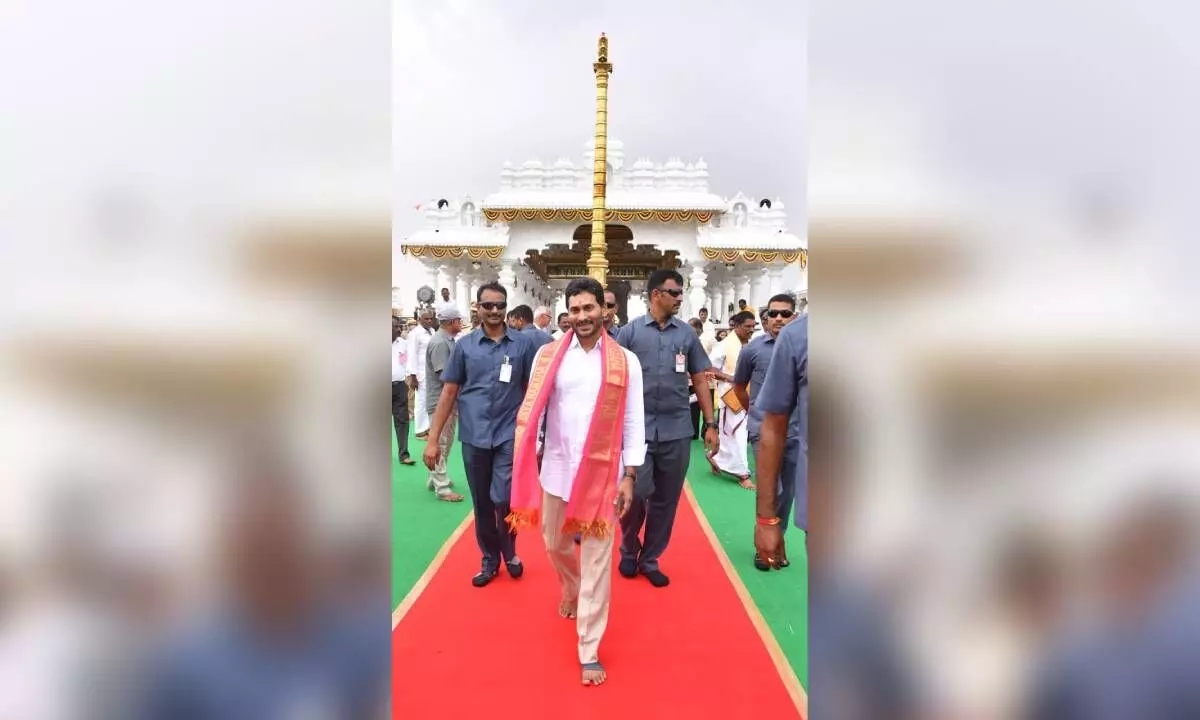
(745,483)
(567,608)
(450,497)
(593,674)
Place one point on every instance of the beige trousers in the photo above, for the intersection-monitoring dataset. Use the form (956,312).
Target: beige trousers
(439,481)
(586,577)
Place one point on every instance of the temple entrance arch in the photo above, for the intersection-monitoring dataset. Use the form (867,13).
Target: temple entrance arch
(628,264)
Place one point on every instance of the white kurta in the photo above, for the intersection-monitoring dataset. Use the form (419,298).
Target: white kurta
(418,342)
(732,426)
(569,416)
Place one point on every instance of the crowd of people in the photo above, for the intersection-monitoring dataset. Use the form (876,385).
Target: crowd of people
(584,430)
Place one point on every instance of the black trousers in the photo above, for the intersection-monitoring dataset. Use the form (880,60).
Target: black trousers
(656,495)
(489,477)
(697,426)
(400,416)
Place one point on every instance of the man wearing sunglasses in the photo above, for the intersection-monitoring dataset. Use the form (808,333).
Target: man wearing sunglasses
(748,381)
(610,313)
(669,353)
(486,376)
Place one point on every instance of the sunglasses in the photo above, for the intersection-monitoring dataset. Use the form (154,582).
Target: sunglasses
(785,314)
(673,292)
(493,305)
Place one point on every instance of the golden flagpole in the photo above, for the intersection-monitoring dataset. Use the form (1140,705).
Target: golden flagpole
(597,263)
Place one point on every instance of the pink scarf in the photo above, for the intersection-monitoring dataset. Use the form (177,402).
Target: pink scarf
(590,508)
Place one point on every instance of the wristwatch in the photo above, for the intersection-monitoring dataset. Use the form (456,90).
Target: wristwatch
(710,424)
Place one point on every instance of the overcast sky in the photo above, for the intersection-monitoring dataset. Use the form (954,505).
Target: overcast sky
(479,82)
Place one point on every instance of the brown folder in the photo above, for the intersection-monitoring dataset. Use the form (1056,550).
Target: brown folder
(732,402)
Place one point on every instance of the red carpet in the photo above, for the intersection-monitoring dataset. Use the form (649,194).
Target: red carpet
(687,650)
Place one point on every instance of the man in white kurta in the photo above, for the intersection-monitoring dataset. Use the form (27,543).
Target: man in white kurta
(732,456)
(418,342)
(586,580)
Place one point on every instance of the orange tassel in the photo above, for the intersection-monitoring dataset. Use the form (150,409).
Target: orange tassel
(519,520)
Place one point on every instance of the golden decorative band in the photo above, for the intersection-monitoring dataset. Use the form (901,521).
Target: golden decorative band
(582,216)
(762,256)
(438,252)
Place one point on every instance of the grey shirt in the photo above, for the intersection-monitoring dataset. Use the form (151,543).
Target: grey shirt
(535,336)
(665,390)
(487,407)
(785,390)
(437,354)
(752,366)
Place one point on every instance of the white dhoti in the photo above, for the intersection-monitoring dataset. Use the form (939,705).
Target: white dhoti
(731,457)
(420,414)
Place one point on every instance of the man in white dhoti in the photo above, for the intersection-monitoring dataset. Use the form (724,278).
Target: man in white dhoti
(731,458)
(588,389)
(418,343)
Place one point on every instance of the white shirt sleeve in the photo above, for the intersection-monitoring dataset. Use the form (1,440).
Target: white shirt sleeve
(633,439)
(413,343)
(717,357)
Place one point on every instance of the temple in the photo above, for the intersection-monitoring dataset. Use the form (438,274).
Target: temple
(534,234)
(547,224)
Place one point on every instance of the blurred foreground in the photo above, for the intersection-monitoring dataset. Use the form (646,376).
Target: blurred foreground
(193,412)
(1002,323)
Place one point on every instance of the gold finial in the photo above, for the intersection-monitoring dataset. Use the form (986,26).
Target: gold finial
(602,52)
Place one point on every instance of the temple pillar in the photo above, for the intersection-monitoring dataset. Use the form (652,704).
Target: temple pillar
(743,291)
(727,298)
(432,272)
(508,278)
(443,281)
(774,279)
(758,292)
(461,292)
(473,288)
(699,281)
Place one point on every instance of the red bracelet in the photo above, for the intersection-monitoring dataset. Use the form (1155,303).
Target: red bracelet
(767,521)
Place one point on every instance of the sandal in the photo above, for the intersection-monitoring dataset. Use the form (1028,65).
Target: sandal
(594,667)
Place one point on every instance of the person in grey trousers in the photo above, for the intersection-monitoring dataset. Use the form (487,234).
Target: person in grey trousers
(670,354)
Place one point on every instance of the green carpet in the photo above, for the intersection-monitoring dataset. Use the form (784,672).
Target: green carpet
(420,522)
(782,595)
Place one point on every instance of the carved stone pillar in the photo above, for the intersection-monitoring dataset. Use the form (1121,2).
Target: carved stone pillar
(461,292)
(743,290)
(758,290)
(443,281)
(774,279)
(699,281)
(727,299)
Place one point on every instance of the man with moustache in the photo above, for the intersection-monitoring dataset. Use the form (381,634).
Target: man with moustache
(669,353)
(441,347)
(418,344)
(748,380)
(485,380)
(783,401)
(610,313)
(587,390)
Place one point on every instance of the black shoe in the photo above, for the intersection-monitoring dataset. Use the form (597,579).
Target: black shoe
(515,569)
(627,568)
(656,578)
(759,564)
(484,577)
